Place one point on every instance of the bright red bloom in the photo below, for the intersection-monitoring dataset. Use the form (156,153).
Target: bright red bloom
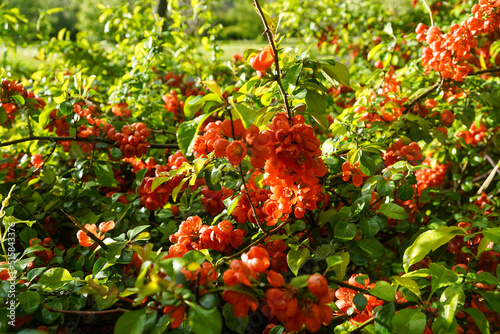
(177,313)
(257,259)
(242,303)
(106,226)
(263,61)
(235,152)
(37,160)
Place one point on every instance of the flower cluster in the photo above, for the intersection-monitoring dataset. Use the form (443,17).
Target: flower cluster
(194,235)
(474,135)
(154,200)
(172,103)
(132,140)
(293,169)
(121,110)
(398,150)
(245,271)
(349,170)
(448,53)
(297,309)
(212,200)
(431,177)
(11,88)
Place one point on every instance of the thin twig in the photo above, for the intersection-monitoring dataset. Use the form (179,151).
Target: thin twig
(488,179)
(87,232)
(30,129)
(88,313)
(89,139)
(346,285)
(490,70)
(429,90)
(364,324)
(430,11)
(254,211)
(270,38)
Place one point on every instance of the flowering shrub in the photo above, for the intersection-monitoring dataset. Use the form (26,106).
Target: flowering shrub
(286,192)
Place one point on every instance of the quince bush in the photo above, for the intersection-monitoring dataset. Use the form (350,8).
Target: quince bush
(280,192)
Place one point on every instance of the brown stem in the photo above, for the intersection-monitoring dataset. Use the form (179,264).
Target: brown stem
(254,211)
(489,70)
(429,90)
(89,139)
(277,76)
(88,313)
(87,232)
(364,324)
(347,285)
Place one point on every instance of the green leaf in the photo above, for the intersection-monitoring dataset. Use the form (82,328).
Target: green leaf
(55,278)
(408,283)
(29,300)
(383,319)
(369,226)
(194,256)
(367,165)
(231,203)
(131,234)
(440,276)
(320,119)
(338,263)
(48,176)
(383,290)
(372,246)
(246,114)
(405,192)
(193,104)
(316,102)
(345,231)
(19,99)
(386,188)
(300,281)
(335,72)
(360,302)
(203,321)
(480,319)
(427,242)
(131,322)
(492,299)
(492,234)
(450,299)
(214,87)
(3,115)
(238,325)
(9,220)
(105,175)
(296,258)
(158,181)
(409,321)
(393,210)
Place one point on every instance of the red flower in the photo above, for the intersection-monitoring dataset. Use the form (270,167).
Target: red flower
(263,61)
(37,160)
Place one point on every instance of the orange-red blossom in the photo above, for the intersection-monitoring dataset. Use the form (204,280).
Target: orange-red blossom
(85,241)
(263,61)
